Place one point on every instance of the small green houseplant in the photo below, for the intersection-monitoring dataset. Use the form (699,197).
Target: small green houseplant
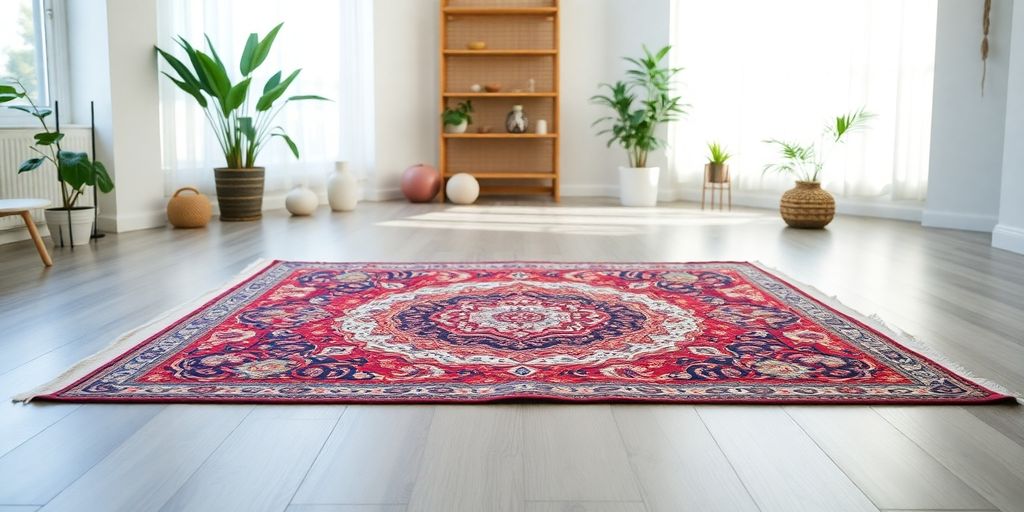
(242,126)
(808,205)
(717,170)
(75,171)
(640,104)
(457,119)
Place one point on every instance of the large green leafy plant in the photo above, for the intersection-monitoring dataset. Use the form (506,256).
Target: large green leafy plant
(805,161)
(640,103)
(75,171)
(242,128)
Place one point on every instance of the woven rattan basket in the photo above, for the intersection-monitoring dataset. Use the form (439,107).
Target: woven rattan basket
(807,206)
(189,211)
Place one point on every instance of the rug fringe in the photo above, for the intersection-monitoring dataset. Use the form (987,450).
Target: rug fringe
(133,337)
(900,336)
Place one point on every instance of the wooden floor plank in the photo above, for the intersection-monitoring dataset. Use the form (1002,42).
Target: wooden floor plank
(40,468)
(893,471)
(258,468)
(677,462)
(575,453)
(473,461)
(781,467)
(149,467)
(372,457)
(584,506)
(980,455)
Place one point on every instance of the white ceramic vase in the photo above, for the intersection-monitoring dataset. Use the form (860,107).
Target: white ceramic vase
(80,229)
(342,189)
(301,201)
(638,186)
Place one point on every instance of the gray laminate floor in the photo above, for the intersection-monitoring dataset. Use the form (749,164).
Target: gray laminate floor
(949,288)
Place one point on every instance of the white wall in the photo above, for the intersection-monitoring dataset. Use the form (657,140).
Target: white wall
(113,63)
(1009,234)
(967,127)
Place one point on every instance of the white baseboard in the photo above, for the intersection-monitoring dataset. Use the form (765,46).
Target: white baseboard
(1008,238)
(19,233)
(114,223)
(964,221)
(589,190)
(910,211)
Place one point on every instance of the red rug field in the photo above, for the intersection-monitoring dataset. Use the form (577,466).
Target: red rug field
(297,332)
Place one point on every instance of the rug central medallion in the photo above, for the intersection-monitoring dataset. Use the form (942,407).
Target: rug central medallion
(515,323)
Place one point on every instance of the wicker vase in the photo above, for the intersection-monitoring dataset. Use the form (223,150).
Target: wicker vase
(807,206)
(240,193)
(189,211)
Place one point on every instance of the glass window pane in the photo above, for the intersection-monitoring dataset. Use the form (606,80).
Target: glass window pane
(22,55)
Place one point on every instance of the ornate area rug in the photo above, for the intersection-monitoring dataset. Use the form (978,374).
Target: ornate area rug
(475,332)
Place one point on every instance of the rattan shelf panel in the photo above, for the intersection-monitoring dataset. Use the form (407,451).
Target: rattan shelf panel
(511,175)
(474,95)
(498,4)
(493,11)
(502,53)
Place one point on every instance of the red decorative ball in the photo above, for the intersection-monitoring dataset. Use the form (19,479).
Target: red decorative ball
(420,183)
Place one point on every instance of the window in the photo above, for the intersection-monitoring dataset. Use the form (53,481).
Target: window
(32,51)
(784,68)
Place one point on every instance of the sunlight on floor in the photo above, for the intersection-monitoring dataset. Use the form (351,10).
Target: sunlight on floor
(607,221)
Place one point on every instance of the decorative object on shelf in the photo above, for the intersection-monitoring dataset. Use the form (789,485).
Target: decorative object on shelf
(477,45)
(635,127)
(492,87)
(301,201)
(516,121)
(476,88)
(541,127)
(342,189)
(420,183)
(188,211)
(75,171)
(457,119)
(808,205)
(484,129)
(531,85)
(463,188)
(716,177)
(241,133)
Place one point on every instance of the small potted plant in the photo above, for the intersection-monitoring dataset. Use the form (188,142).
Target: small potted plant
(640,104)
(807,205)
(242,127)
(717,170)
(75,171)
(457,119)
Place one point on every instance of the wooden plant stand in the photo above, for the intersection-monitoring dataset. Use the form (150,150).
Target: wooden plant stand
(521,56)
(723,187)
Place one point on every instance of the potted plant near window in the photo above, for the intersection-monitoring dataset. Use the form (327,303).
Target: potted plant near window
(242,127)
(75,171)
(717,170)
(641,103)
(457,119)
(807,205)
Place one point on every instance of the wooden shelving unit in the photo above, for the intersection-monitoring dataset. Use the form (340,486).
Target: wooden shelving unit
(522,38)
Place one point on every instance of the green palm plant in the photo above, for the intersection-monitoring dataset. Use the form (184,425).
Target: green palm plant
(805,161)
(75,171)
(242,129)
(637,115)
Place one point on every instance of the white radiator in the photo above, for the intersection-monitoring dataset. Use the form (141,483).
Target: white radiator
(40,183)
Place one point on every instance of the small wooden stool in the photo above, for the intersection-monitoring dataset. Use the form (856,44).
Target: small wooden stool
(21,207)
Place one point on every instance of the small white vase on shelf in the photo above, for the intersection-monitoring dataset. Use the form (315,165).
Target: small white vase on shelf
(342,189)
(301,201)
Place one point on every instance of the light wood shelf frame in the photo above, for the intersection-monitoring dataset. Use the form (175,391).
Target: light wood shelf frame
(504,57)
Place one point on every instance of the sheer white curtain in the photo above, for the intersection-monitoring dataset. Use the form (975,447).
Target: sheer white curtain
(329,39)
(756,70)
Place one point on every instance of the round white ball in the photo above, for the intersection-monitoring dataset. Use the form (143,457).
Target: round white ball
(301,201)
(462,188)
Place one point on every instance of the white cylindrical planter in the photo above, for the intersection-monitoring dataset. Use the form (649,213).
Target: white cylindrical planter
(80,229)
(301,201)
(638,186)
(456,128)
(342,189)
(541,127)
